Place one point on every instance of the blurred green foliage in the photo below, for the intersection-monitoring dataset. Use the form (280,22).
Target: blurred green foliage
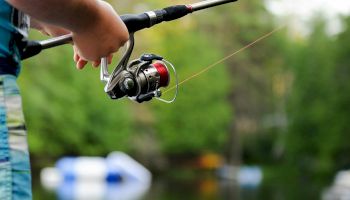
(284,100)
(318,108)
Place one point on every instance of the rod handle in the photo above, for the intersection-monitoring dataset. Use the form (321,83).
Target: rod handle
(32,48)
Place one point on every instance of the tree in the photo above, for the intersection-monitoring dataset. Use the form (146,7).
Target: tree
(318,107)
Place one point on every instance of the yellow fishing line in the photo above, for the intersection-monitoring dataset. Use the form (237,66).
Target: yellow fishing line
(225,58)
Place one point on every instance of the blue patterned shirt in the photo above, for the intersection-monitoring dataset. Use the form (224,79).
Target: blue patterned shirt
(14,26)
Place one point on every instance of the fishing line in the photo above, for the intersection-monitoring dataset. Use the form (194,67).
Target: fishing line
(225,58)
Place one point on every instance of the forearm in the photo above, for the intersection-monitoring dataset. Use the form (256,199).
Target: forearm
(74,15)
(96,28)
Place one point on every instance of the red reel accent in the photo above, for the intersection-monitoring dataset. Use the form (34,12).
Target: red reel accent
(163,72)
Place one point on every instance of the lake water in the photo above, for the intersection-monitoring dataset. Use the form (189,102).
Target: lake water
(200,185)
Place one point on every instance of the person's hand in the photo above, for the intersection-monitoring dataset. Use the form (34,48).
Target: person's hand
(102,38)
(54,31)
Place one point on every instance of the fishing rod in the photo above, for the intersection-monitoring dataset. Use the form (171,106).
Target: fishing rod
(141,79)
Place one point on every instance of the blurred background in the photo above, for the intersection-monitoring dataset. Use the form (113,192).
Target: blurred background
(271,122)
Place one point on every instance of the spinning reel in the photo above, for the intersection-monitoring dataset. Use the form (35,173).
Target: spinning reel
(141,79)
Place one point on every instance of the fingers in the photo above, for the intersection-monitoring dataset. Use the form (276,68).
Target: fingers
(76,57)
(97,63)
(110,58)
(81,63)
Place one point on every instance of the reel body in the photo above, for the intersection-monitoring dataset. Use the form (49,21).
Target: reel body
(140,80)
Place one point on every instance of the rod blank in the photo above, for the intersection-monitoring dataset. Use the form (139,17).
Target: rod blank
(208,3)
(56,41)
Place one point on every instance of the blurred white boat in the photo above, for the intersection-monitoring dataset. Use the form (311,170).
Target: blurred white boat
(246,176)
(117,176)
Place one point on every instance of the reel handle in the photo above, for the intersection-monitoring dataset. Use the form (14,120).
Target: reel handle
(104,75)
